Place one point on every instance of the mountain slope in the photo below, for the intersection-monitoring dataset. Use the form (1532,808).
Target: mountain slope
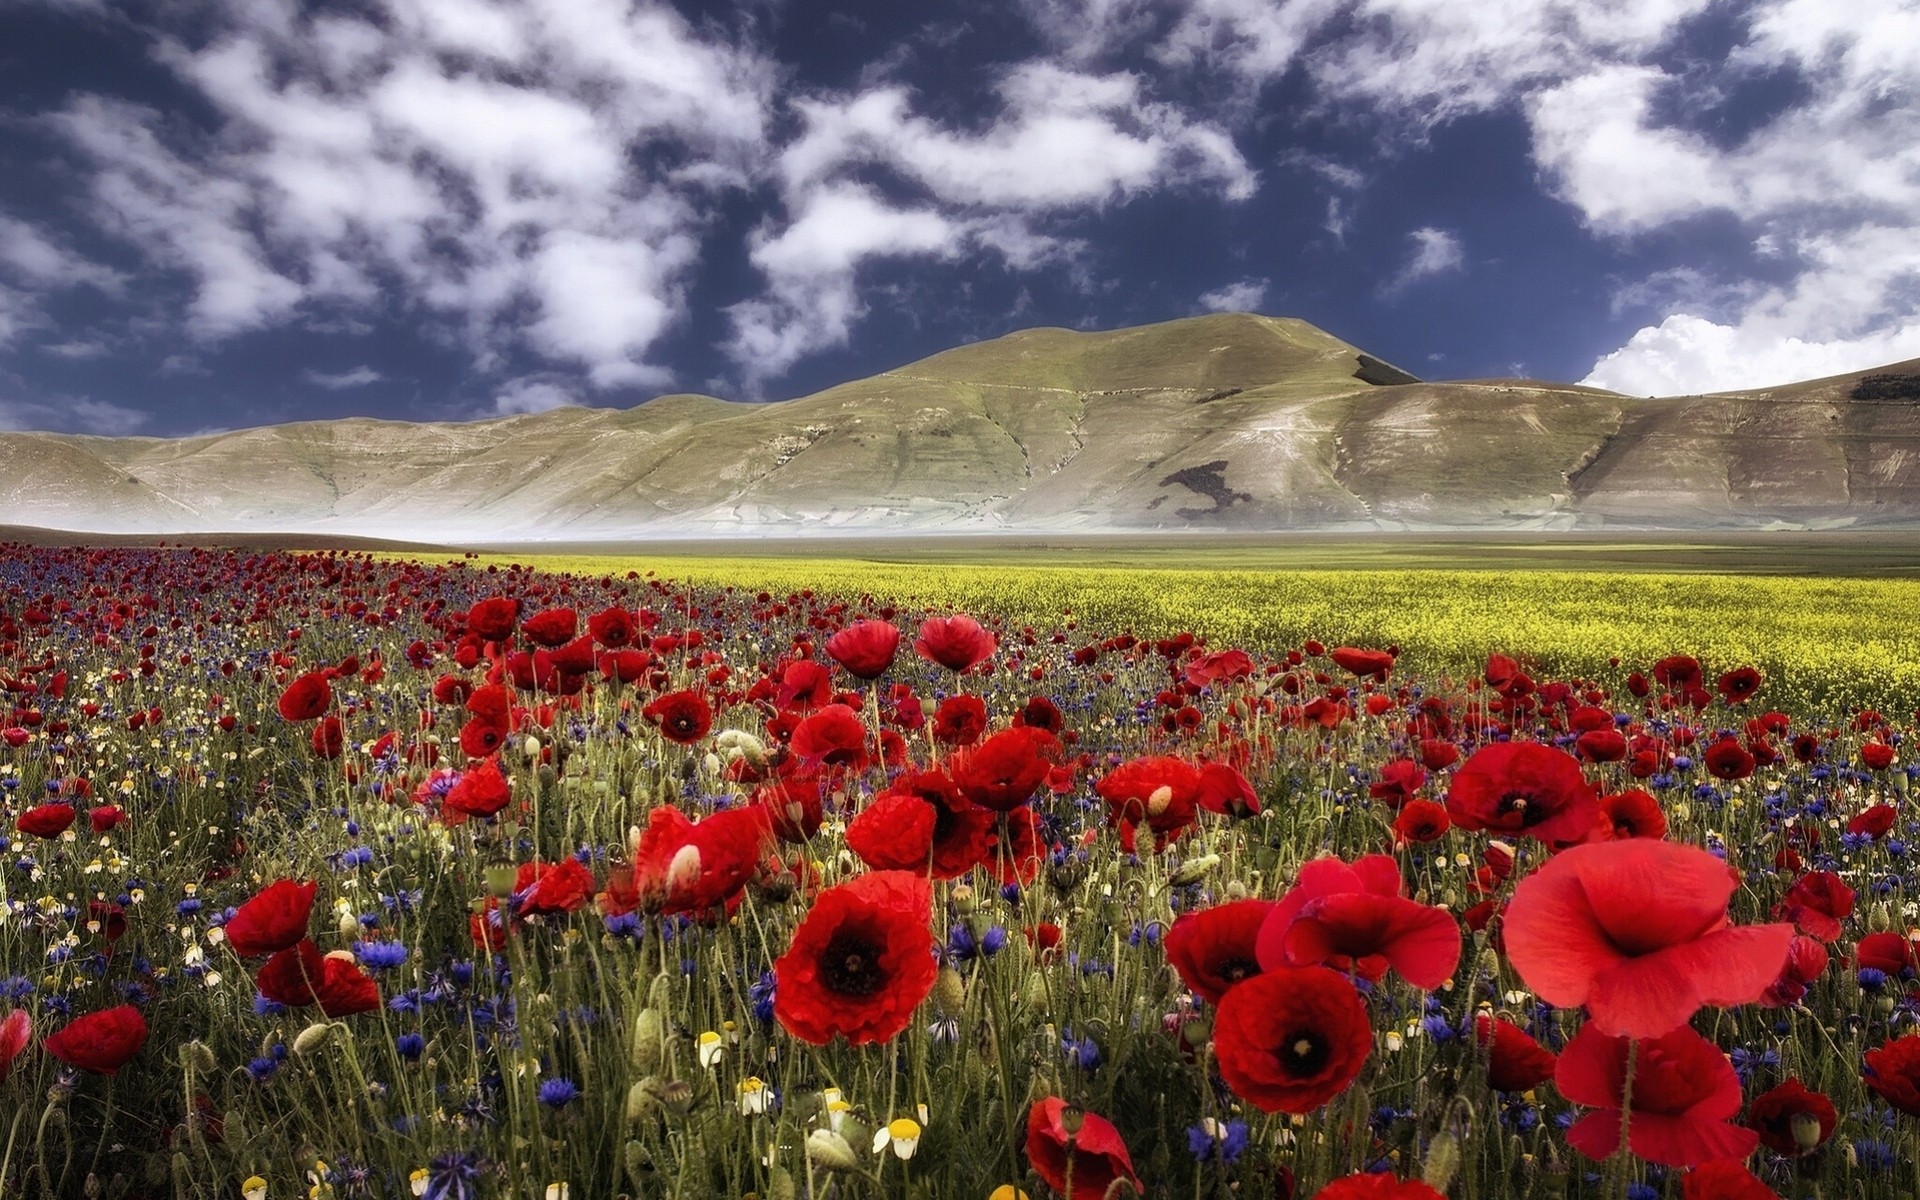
(1229,421)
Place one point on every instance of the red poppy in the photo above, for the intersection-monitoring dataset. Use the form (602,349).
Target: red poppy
(920,823)
(1523,788)
(1291,1038)
(613,628)
(1683,1095)
(1739,685)
(16,1033)
(479,792)
(46,820)
(1040,713)
(831,737)
(1877,756)
(551,627)
(1817,903)
(1060,1135)
(682,717)
(560,887)
(1213,948)
(293,976)
(1724,1181)
(306,698)
(481,737)
(1634,814)
(684,866)
(1222,665)
(275,918)
(865,649)
(1158,791)
(1363,662)
(106,818)
(1515,1062)
(1355,917)
(1875,821)
(1888,952)
(1373,1185)
(1792,1119)
(1677,673)
(1637,931)
(958,643)
(344,988)
(492,620)
(1399,781)
(329,738)
(100,1042)
(804,685)
(1806,960)
(1421,821)
(960,720)
(1003,772)
(1226,791)
(1894,1072)
(860,962)
(1728,759)
(1601,745)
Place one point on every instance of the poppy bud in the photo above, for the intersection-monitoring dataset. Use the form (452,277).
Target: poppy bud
(1194,870)
(1443,1159)
(195,1056)
(639,1167)
(1879,919)
(827,1149)
(314,1037)
(642,1099)
(950,992)
(1034,993)
(647,1032)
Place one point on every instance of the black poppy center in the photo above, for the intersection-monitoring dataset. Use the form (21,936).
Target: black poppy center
(1304,1054)
(1525,805)
(850,965)
(1233,970)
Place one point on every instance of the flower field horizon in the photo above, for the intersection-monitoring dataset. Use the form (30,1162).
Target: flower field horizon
(341,875)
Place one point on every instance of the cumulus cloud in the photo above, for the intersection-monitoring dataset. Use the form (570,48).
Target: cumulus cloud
(340,381)
(1063,141)
(531,395)
(1245,296)
(524,172)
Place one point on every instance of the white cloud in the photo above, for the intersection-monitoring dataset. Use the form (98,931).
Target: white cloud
(1245,296)
(1433,252)
(71,414)
(486,163)
(340,381)
(1686,355)
(531,395)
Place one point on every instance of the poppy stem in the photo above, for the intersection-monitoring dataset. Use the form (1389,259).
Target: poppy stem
(1623,1156)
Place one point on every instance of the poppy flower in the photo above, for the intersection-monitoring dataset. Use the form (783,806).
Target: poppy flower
(866,648)
(1363,662)
(1637,931)
(1894,1072)
(1003,772)
(292,976)
(1727,759)
(1684,1093)
(804,685)
(958,643)
(1601,745)
(1892,953)
(1806,961)
(1634,814)
(345,988)
(1875,821)
(1421,821)
(960,720)
(1724,1181)
(1060,1135)
(1399,781)
(100,1042)
(547,888)
(1355,917)
(481,737)
(1040,713)
(479,792)
(922,823)
(274,919)
(613,628)
(1523,788)
(860,962)
(306,698)
(686,866)
(1376,1185)
(329,738)
(1677,673)
(492,620)
(551,627)
(831,737)
(1772,1115)
(1226,791)
(682,717)
(106,817)
(1158,791)
(1816,903)
(1213,948)
(16,1033)
(46,820)
(1740,684)
(1291,1038)
(1515,1062)
(1877,756)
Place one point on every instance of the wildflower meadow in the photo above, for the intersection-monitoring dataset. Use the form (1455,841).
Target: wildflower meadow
(331,875)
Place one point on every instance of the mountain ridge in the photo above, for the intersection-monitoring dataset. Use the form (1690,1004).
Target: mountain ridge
(1225,422)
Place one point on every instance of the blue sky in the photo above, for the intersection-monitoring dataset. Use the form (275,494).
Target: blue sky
(220,213)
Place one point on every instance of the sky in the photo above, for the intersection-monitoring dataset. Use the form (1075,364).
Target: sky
(224,213)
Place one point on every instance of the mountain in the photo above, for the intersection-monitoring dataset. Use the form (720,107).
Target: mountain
(1223,422)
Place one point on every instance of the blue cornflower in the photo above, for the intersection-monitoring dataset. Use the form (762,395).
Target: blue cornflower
(558,1092)
(380,956)
(1872,979)
(453,1176)
(409,1046)
(1081,1052)
(1215,1141)
(262,1068)
(761,996)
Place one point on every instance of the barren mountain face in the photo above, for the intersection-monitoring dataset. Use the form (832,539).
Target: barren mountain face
(1225,422)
